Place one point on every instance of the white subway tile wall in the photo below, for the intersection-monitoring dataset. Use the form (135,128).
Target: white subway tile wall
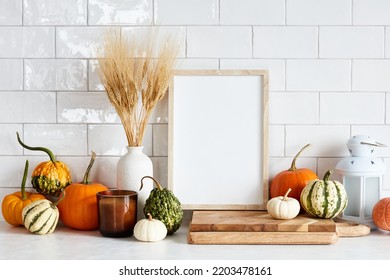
(371,12)
(327,61)
(285,42)
(352,42)
(11,74)
(186,12)
(26,42)
(371,75)
(117,12)
(55,74)
(11,12)
(54,12)
(288,102)
(319,12)
(28,107)
(318,75)
(219,41)
(252,12)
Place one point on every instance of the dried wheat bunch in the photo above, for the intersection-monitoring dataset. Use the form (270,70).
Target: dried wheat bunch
(135,73)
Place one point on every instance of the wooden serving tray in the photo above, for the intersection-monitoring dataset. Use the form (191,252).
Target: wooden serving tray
(258,227)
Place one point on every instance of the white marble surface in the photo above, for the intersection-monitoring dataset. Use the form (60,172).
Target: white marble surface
(66,244)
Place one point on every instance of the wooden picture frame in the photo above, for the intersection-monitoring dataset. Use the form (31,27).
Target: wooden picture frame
(218,139)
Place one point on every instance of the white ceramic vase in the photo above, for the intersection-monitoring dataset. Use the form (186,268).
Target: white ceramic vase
(131,167)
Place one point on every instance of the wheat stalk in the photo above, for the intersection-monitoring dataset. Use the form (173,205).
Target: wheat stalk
(135,74)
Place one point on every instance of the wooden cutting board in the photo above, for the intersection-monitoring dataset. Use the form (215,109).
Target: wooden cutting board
(256,221)
(258,227)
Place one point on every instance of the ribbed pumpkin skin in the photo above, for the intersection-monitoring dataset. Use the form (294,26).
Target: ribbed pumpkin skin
(50,177)
(283,207)
(323,198)
(40,216)
(381,213)
(295,179)
(150,230)
(13,204)
(78,209)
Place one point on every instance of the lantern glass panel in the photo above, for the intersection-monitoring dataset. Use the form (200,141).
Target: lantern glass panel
(353,189)
(371,194)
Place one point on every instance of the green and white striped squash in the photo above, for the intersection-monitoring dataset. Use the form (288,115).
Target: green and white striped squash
(324,198)
(41,216)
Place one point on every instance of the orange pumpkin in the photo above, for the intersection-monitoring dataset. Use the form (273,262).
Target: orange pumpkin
(294,178)
(14,203)
(381,213)
(78,209)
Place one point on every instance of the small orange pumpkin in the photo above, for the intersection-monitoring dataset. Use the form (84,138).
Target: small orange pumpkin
(78,209)
(13,204)
(294,178)
(381,213)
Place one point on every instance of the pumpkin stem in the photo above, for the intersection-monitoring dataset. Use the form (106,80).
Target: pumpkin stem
(23,185)
(61,197)
(86,179)
(155,181)
(149,216)
(47,151)
(327,175)
(293,164)
(286,194)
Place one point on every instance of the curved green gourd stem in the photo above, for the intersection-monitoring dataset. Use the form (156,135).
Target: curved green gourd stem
(155,181)
(47,151)
(293,166)
(86,180)
(23,185)
(327,175)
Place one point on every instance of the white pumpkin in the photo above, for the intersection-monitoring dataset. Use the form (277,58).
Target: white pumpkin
(283,207)
(150,230)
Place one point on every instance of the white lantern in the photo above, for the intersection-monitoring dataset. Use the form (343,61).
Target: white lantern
(362,177)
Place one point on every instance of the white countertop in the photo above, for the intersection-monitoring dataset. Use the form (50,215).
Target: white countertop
(16,243)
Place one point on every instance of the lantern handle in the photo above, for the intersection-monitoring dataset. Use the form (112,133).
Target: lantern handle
(376,144)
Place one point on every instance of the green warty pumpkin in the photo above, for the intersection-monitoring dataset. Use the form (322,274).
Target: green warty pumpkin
(163,205)
(324,198)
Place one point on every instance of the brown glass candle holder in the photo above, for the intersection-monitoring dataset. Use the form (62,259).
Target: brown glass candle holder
(117,211)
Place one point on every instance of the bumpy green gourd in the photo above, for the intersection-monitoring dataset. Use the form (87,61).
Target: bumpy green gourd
(163,205)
